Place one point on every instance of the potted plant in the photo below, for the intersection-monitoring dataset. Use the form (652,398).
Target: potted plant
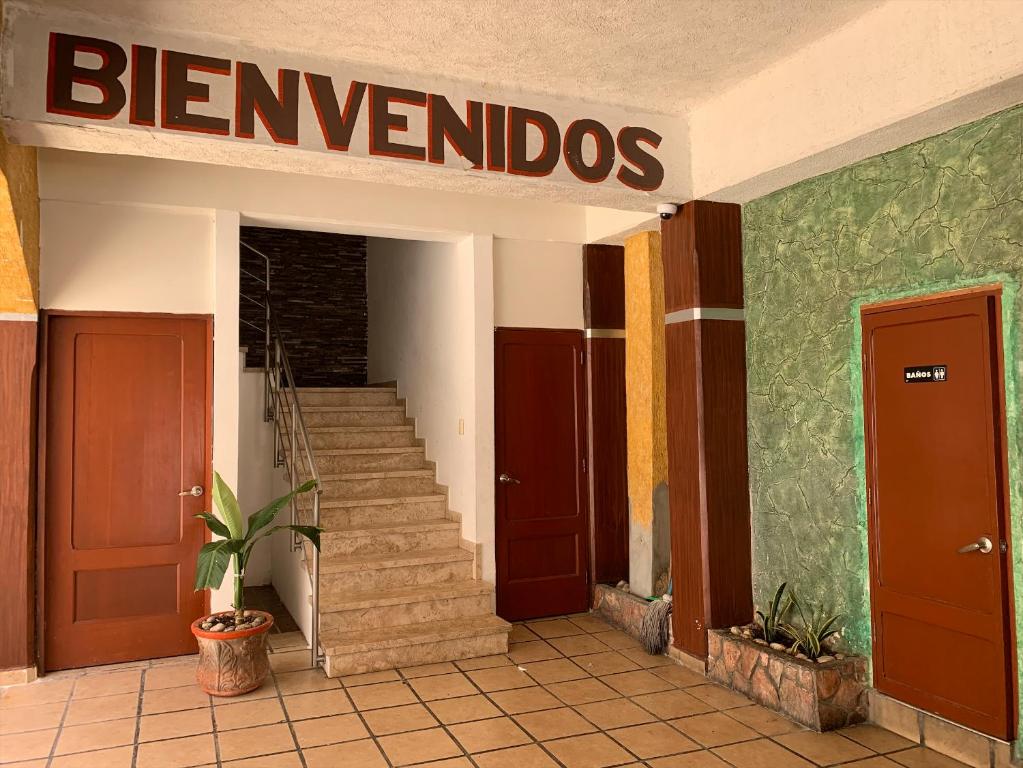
(232,644)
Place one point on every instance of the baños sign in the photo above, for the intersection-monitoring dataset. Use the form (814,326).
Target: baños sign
(56,73)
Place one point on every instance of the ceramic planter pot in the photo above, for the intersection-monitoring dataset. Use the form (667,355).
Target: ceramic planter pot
(232,663)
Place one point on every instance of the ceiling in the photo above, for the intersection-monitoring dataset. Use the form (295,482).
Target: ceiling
(656,55)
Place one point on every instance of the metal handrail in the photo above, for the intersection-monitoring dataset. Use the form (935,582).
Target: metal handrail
(282,406)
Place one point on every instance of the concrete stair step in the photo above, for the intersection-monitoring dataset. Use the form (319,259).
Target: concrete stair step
(355,611)
(354,416)
(383,538)
(365,436)
(352,396)
(374,485)
(360,573)
(344,460)
(359,513)
(351,653)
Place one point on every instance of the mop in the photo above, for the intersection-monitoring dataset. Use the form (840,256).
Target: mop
(653,630)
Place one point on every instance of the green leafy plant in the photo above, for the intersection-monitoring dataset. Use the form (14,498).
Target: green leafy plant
(237,542)
(817,627)
(772,624)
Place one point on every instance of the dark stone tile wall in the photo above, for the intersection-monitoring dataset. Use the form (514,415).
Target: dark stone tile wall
(318,291)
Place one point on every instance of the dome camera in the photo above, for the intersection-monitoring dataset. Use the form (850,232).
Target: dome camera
(667,210)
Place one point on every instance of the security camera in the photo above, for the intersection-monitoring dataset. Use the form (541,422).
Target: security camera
(667,210)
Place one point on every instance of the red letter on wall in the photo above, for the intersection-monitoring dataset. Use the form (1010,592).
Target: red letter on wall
(64,73)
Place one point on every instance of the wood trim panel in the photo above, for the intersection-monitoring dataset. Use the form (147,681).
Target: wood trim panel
(604,286)
(702,251)
(18,345)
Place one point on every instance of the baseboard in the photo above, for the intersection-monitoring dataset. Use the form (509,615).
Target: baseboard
(18,676)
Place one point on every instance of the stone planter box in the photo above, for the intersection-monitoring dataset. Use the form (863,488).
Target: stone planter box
(620,609)
(820,696)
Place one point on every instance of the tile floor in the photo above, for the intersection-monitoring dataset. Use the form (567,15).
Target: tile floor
(572,692)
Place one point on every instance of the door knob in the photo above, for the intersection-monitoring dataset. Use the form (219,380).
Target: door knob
(195,490)
(982,545)
(507,479)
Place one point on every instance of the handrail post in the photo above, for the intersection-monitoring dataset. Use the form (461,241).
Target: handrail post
(314,631)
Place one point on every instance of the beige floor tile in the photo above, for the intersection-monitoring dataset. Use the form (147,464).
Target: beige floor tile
(173,700)
(426,670)
(764,720)
(577,645)
(82,711)
(317,704)
(370,678)
(177,753)
(170,725)
(305,681)
(418,747)
(520,633)
(616,713)
(249,713)
(40,763)
(249,742)
(354,754)
(26,746)
(636,683)
(451,762)
(381,695)
(530,756)
(555,671)
(267,690)
(553,628)
(525,700)
(500,678)
(617,639)
(411,717)
(483,662)
(606,663)
(761,753)
(668,705)
(714,729)
(876,738)
(39,692)
(591,623)
(290,661)
(824,748)
(465,709)
(486,735)
(533,650)
(593,750)
(653,740)
(447,686)
(679,675)
(647,660)
(108,684)
(117,757)
(170,676)
(32,718)
(329,730)
(872,762)
(554,724)
(689,760)
(718,696)
(921,757)
(280,760)
(284,641)
(582,691)
(86,738)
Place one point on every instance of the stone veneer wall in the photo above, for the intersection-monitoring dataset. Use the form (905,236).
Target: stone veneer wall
(943,213)
(318,289)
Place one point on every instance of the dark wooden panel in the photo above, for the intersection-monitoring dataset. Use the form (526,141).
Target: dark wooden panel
(608,459)
(678,254)
(702,251)
(604,286)
(18,342)
(726,479)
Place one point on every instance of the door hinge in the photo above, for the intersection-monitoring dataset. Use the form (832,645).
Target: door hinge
(584,466)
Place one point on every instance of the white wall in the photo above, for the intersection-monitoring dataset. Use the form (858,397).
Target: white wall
(125,258)
(537,284)
(256,472)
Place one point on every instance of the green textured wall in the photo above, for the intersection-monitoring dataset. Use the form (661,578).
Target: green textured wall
(942,213)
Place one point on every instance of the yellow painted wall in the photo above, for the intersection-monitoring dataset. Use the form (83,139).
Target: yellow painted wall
(19,229)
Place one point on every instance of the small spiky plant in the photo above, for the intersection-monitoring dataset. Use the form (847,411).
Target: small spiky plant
(817,627)
(773,623)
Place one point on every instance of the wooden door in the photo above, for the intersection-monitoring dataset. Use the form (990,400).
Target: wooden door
(936,473)
(126,431)
(542,518)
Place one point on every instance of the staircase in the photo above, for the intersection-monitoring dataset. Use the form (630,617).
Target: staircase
(396,586)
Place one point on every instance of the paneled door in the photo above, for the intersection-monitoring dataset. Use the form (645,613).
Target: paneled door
(126,469)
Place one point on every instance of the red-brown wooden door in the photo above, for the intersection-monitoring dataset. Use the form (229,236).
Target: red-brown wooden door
(936,485)
(540,439)
(126,432)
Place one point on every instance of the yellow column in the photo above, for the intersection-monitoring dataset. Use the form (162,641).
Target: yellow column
(19,230)
(646,420)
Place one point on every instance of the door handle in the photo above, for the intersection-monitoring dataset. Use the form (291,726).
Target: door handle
(982,545)
(507,479)
(195,490)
